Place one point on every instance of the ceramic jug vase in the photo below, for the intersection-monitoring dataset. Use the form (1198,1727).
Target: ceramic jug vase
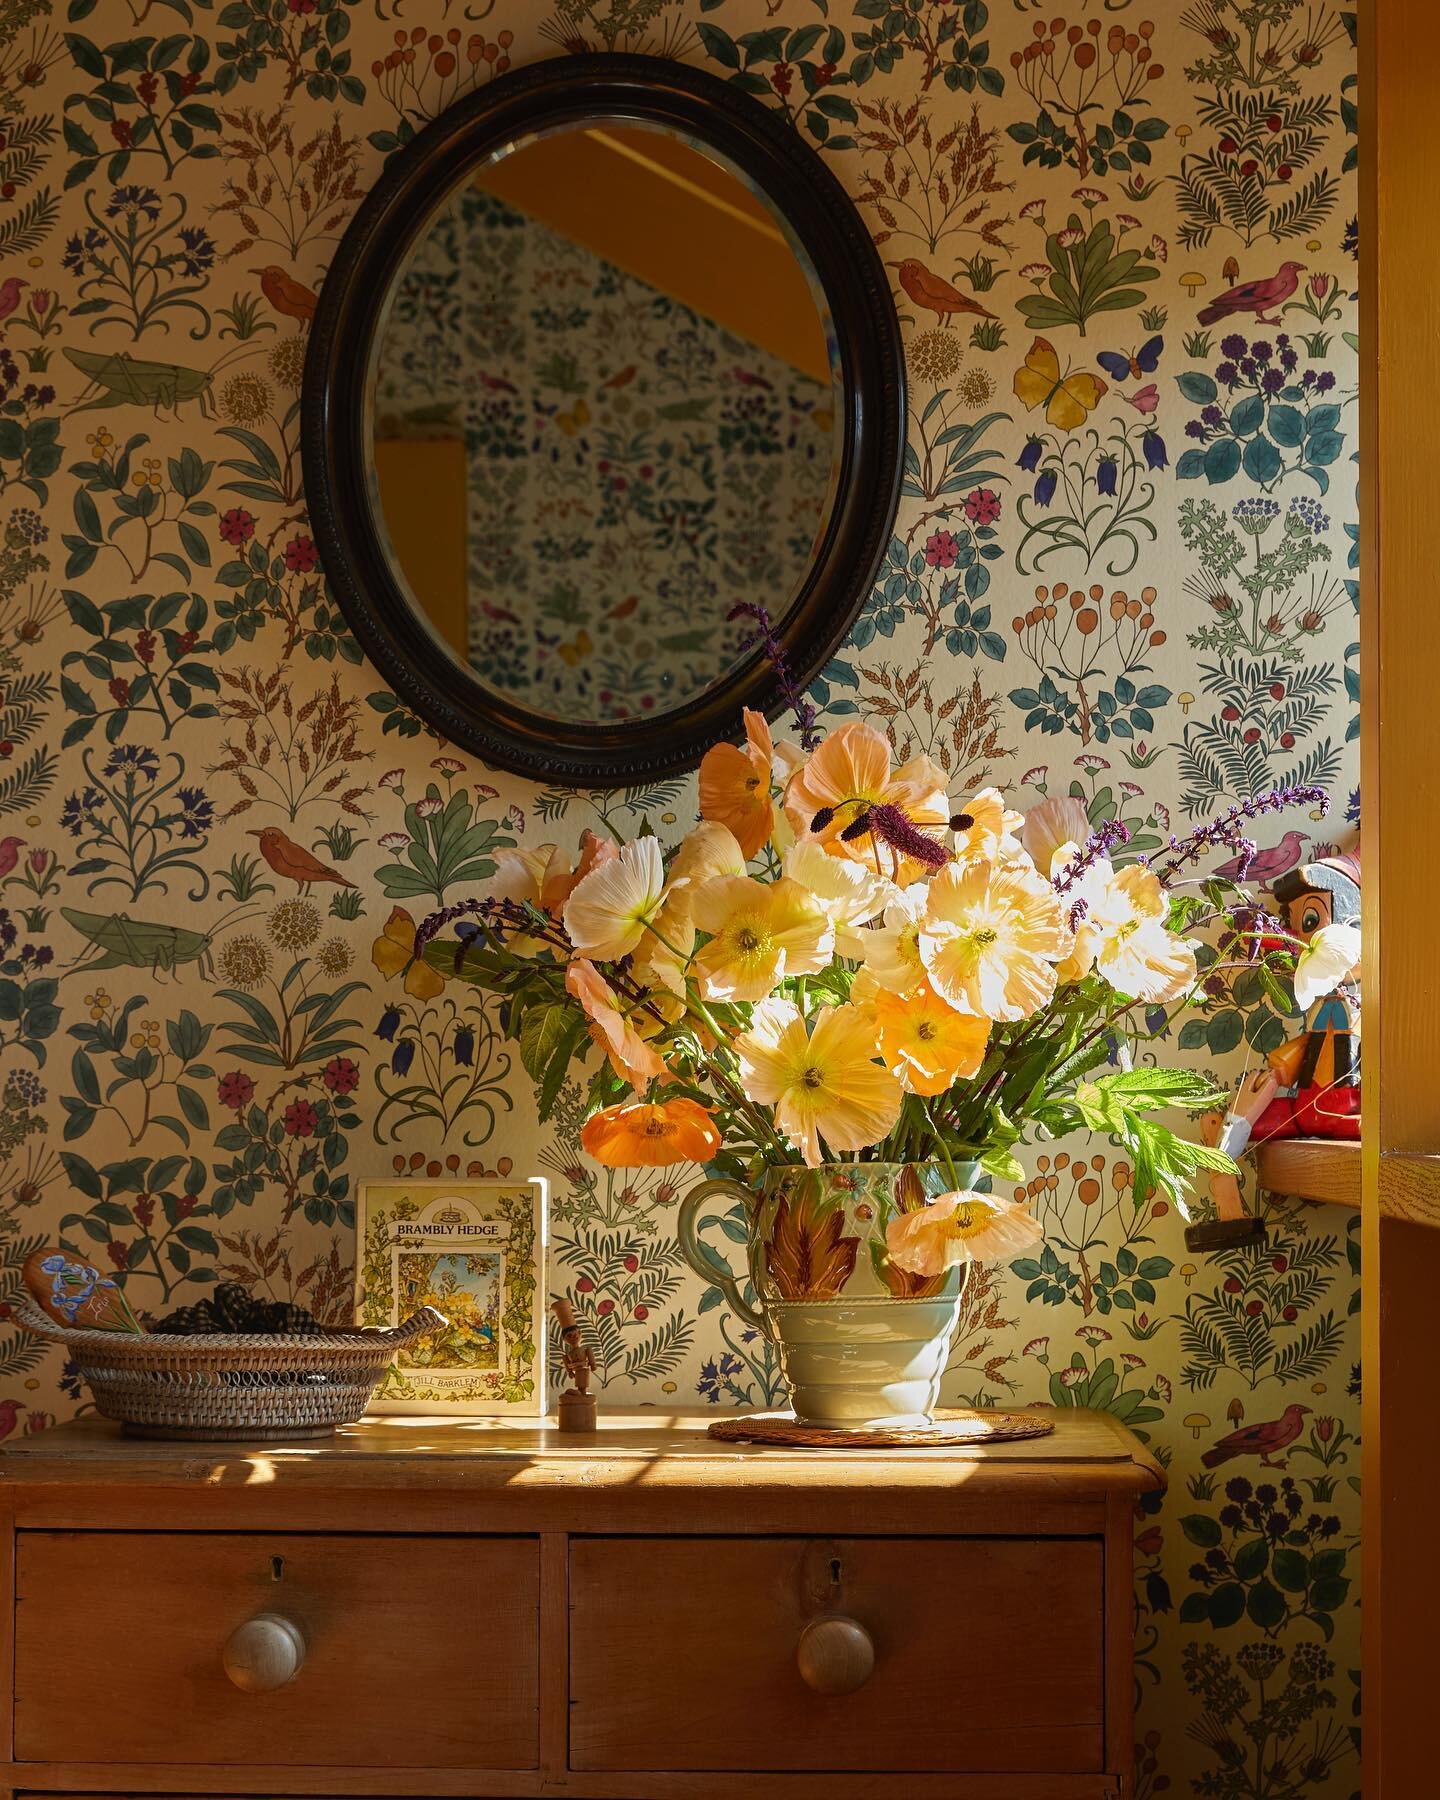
(861,1341)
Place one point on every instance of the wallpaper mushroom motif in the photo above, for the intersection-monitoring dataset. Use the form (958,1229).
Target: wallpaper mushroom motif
(1123,241)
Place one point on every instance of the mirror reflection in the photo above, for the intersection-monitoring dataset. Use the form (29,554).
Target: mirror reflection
(604,413)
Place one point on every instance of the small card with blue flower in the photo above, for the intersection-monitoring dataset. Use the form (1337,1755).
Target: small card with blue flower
(475,1251)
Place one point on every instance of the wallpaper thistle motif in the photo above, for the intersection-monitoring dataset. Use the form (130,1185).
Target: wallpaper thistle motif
(1124,567)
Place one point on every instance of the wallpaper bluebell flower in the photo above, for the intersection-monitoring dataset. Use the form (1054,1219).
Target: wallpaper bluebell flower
(1124,567)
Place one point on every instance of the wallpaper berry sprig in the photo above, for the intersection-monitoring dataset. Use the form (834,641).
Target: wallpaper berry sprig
(1124,239)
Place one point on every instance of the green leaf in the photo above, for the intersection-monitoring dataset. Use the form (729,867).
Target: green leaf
(1251,1560)
(541,1034)
(1266,1606)
(1201,1530)
(1291,1570)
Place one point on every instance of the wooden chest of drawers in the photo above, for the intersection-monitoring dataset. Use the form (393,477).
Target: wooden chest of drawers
(436,1609)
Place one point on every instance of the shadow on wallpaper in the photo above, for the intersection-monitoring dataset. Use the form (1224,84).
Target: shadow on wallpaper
(1142,593)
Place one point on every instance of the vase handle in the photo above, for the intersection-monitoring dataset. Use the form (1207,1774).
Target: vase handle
(701,1258)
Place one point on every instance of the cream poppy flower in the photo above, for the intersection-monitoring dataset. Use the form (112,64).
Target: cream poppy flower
(962,1227)
(1123,934)
(760,933)
(607,914)
(891,951)
(925,1043)
(1058,823)
(846,778)
(1328,959)
(824,1084)
(991,938)
(984,829)
(630,1056)
(846,892)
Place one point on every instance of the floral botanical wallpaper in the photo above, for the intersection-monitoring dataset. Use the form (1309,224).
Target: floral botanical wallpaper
(636,470)
(1123,239)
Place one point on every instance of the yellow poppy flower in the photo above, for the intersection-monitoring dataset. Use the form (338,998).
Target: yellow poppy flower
(641,1136)
(991,939)
(394,950)
(607,913)
(735,785)
(823,1084)
(963,1227)
(760,933)
(925,1043)
(630,1056)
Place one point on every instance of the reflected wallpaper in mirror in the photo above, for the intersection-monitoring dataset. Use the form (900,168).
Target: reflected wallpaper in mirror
(604,414)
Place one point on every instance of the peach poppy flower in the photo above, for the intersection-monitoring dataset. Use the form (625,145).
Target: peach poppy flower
(543,874)
(823,1083)
(962,1227)
(735,785)
(646,1136)
(608,911)
(925,1043)
(846,778)
(991,939)
(630,1056)
(394,950)
(984,829)
(760,933)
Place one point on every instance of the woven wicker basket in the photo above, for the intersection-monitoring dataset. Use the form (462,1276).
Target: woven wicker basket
(256,1387)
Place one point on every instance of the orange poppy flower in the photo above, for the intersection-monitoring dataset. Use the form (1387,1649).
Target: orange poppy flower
(394,950)
(644,1136)
(735,786)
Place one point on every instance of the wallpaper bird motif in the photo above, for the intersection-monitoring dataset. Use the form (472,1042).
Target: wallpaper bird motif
(1123,241)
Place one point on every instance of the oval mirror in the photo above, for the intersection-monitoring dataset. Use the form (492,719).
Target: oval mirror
(606,361)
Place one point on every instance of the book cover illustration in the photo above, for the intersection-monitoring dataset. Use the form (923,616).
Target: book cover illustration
(474,1250)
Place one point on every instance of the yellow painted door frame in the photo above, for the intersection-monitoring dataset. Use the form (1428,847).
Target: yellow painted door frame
(1400,816)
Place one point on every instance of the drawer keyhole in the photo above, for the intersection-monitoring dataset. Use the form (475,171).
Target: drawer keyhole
(277,1567)
(834,1571)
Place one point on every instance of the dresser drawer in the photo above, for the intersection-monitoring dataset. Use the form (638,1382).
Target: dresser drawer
(988,1654)
(412,1652)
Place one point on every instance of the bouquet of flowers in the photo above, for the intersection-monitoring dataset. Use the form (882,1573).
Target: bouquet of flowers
(843,962)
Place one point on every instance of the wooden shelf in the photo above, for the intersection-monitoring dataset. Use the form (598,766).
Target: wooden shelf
(1322,1169)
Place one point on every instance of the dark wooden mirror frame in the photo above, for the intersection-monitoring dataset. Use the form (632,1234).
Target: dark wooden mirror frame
(336,429)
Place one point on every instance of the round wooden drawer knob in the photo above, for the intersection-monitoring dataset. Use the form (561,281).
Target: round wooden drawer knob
(836,1655)
(264,1653)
